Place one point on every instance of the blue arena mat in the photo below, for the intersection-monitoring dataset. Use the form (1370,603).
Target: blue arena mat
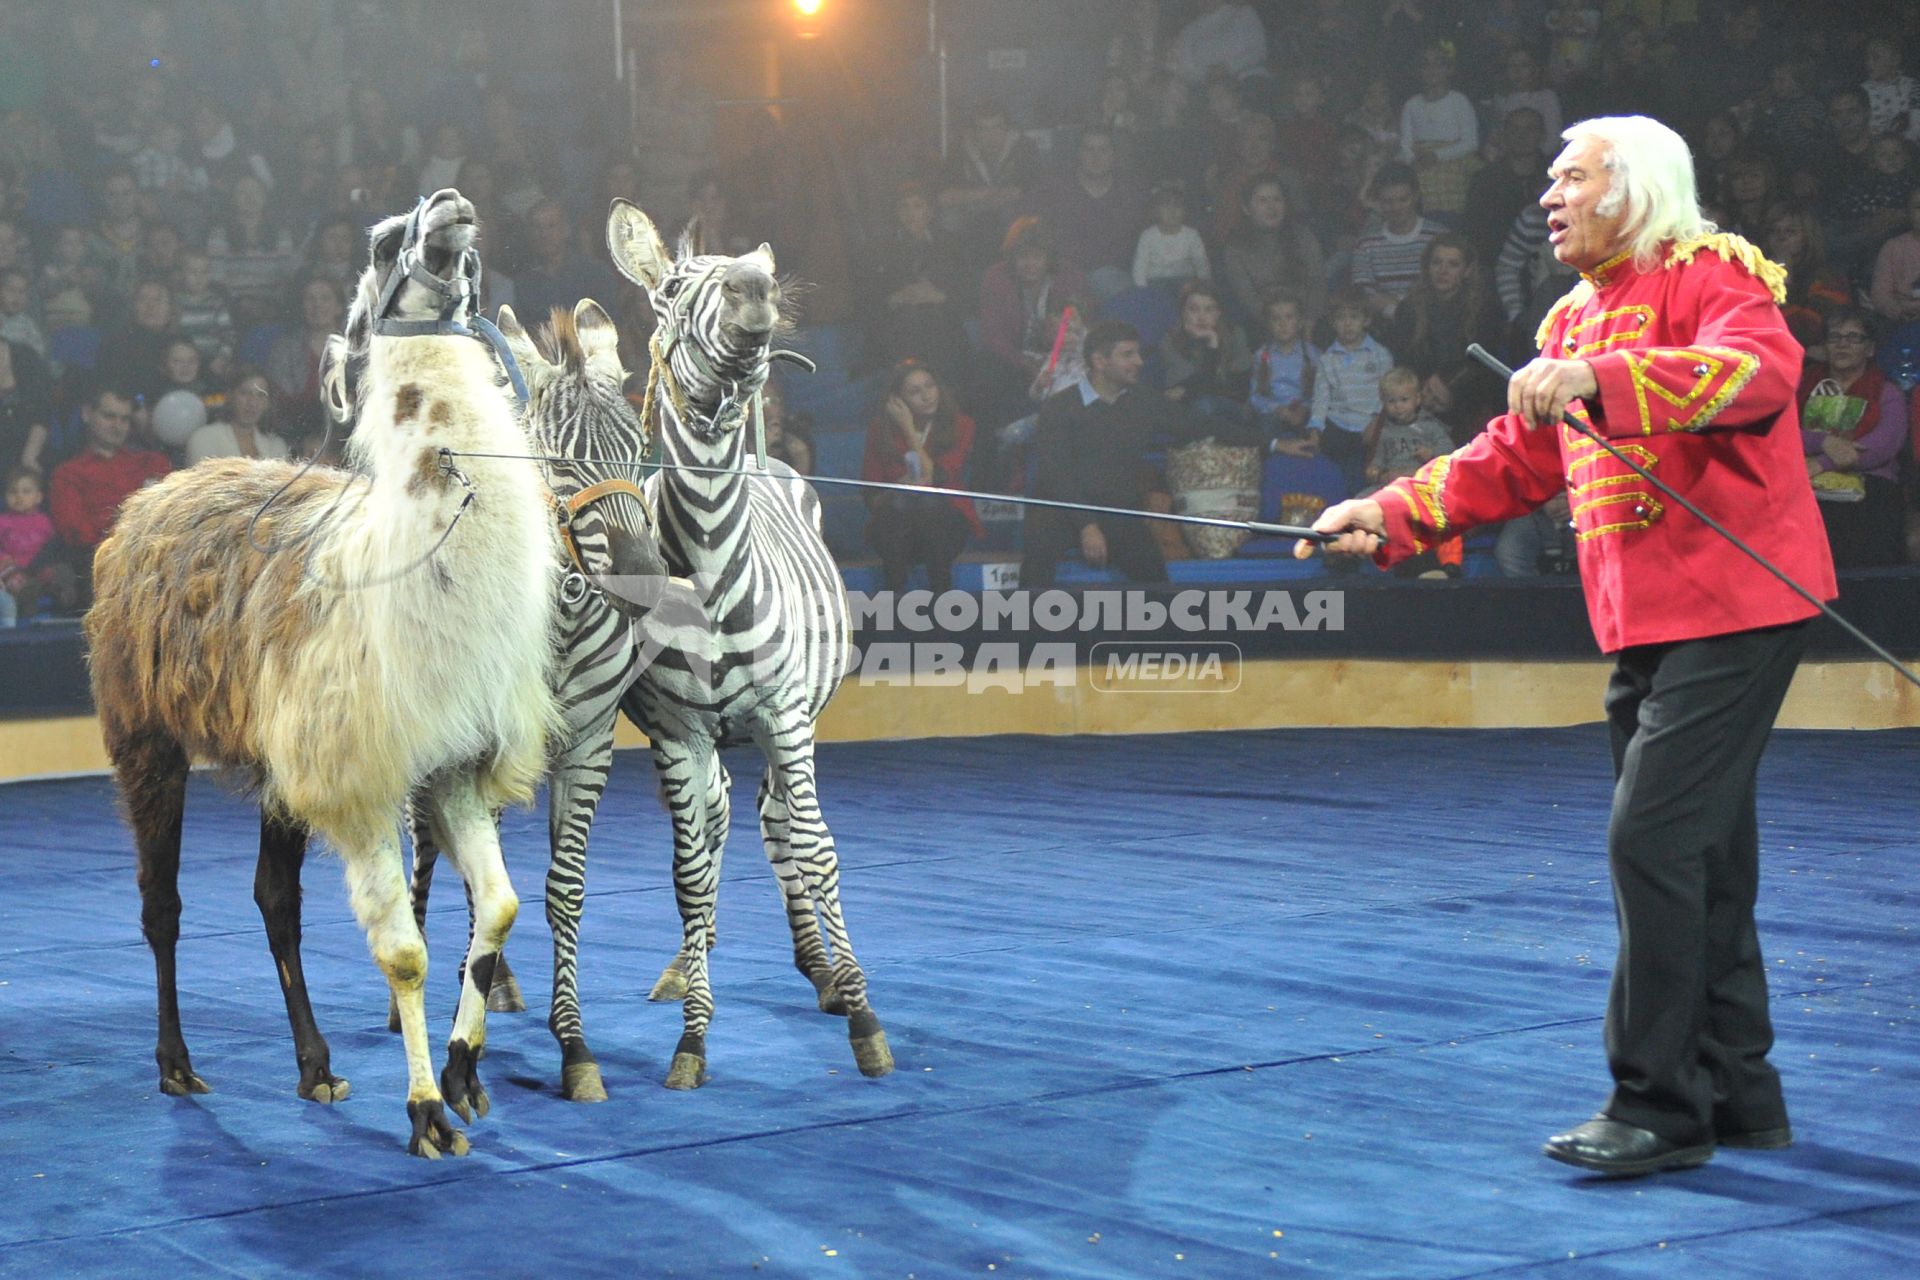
(1296,1003)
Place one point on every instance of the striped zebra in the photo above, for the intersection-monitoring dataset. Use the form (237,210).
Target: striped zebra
(577,409)
(770,647)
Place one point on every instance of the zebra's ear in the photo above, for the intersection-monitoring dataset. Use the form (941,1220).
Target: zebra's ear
(763,255)
(598,336)
(637,248)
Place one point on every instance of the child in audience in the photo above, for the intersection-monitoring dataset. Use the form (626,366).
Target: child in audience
(1346,386)
(25,531)
(202,314)
(1170,252)
(17,323)
(1400,439)
(1282,392)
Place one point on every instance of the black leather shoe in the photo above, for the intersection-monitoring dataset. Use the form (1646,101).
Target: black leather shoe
(1616,1149)
(1756,1139)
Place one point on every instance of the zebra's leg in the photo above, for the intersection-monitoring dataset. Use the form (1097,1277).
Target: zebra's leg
(809,950)
(672,983)
(276,889)
(811,846)
(688,773)
(152,772)
(426,853)
(465,827)
(574,790)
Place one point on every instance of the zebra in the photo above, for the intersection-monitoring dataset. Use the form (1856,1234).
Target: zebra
(771,647)
(583,415)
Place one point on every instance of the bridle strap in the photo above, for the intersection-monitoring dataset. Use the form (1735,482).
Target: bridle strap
(580,501)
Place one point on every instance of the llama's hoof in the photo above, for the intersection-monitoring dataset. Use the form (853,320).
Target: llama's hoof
(180,1082)
(870,1051)
(432,1133)
(581,1082)
(689,1071)
(672,984)
(504,996)
(325,1089)
(460,1082)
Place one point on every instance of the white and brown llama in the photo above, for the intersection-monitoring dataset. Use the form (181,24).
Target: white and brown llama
(396,640)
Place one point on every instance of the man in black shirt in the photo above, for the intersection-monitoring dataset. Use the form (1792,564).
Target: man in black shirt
(1091,441)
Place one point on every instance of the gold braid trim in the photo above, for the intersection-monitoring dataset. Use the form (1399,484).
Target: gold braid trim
(1735,249)
(1575,296)
(1430,483)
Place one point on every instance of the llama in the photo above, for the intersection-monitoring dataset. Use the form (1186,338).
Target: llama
(395,644)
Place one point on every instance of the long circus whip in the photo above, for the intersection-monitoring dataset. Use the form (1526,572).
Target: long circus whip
(1493,363)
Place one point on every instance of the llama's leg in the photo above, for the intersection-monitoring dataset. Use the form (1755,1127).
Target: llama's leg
(687,777)
(809,950)
(465,827)
(672,983)
(152,771)
(426,853)
(811,846)
(378,889)
(276,889)
(574,791)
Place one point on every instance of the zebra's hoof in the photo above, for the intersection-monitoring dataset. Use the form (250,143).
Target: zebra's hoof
(581,1083)
(830,999)
(433,1135)
(870,1051)
(504,996)
(689,1071)
(671,986)
(181,1082)
(326,1089)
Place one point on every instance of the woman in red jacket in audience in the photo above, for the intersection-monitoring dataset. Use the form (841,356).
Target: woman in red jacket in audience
(918,438)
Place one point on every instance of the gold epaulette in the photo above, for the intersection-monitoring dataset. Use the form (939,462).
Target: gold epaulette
(1574,297)
(1735,249)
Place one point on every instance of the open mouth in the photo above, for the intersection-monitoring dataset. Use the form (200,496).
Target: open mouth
(1557,229)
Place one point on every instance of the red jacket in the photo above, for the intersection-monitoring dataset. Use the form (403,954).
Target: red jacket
(88,490)
(1697,375)
(886,460)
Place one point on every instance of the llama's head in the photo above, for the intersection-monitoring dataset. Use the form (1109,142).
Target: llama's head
(715,316)
(578,416)
(422,275)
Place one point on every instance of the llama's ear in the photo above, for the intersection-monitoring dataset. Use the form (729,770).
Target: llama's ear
(637,248)
(333,378)
(518,341)
(598,336)
(763,255)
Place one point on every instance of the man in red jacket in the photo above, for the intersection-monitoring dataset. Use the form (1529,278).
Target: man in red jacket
(88,489)
(1673,348)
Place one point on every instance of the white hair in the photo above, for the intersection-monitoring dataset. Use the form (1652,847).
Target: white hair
(1652,178)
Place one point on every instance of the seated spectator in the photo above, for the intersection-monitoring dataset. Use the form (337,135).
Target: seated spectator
(87,490)
(293,361)
(1449,309)
(1814,289)
(337,246)
(1896,271)
(132,354)
(202,315)
(18,324)
(1116,110)
(244,429)
(1721,139)
(1094,211)
(1400,439)
(554,273)
(1205,363)
(1525,91)
(1750,187)
(1346,387)
(1791,125)
(1273,251)
(1138,49)
(915,286)
(1893,97)
(169,186)
(1872,208)
(1281,395)
(1255,158)
(1018,306)
(1538,543)
(1309,140)
(1222,37)
(1439,134)
(918,438)
(113,246)
(1500,190)
(160,251)
(789,435)
(1631,81)
(987,176)
(1573,33)
(441,168)
(252,258)
(68,270)
(1853,421)
(1374,116)
(1386,262)
(27,570)
(220,153)
(1169,252)
(370,140)
(26,407)
(1092,442)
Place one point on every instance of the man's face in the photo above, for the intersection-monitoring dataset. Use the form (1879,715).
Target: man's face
(1096,156)
(1582,237)
(1121,365)
(1398,206)
(183,363)
(152,306)
(119,197)
(109,422)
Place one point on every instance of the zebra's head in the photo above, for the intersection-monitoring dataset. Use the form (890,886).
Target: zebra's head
(715,318)
(578,416)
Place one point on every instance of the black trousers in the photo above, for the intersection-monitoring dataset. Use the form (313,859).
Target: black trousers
(1687,1030)
(1051,534)
(907,531)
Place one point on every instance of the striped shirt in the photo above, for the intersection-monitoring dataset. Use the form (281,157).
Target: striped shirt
(1346,385)
(1390,264)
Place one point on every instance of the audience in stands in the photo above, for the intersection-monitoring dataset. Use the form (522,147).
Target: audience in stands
(28,572)
(1448,309)
(917,284)
(1281,394)
(1346,386)
(1853,421)
(1386,261)
(1169,252)
(1401,438)
(1095,213)
(1204,360)
(87,490)
(920,438)
(1020,299)
(1274,250)
(243,429)
(26,408)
